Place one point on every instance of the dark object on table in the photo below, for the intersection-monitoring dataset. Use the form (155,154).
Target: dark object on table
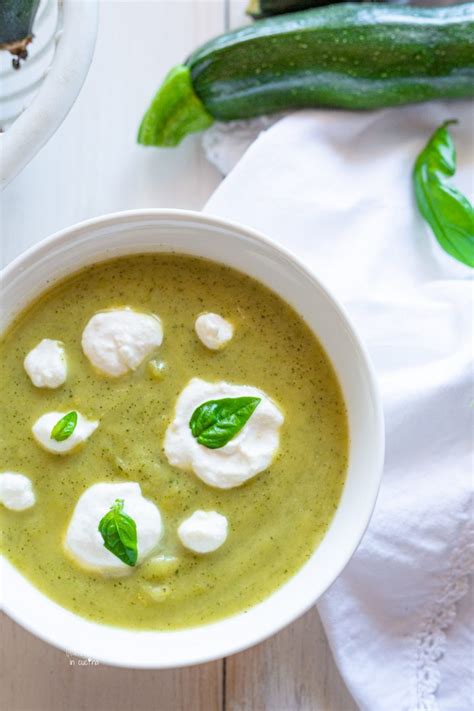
(16,27)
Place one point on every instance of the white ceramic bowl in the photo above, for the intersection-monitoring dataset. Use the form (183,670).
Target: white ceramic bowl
(243,249)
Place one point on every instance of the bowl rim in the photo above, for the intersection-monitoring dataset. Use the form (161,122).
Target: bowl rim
(61,238)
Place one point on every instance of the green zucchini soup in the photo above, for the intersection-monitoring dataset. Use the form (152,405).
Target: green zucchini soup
(174,442)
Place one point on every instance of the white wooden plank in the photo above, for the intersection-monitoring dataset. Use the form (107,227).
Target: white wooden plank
(37,677)
(292,671)
(295,670)
(91,166)
(236,13)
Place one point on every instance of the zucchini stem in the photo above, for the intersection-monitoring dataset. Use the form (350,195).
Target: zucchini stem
(175,111)
(254,9)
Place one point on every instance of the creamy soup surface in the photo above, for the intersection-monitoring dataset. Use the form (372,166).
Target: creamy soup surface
(275,520)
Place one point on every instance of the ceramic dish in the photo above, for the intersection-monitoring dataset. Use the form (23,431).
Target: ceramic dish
(151,231)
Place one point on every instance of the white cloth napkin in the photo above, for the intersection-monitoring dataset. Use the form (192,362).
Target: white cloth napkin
(335,188)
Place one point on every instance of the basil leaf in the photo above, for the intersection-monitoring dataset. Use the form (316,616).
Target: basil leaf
(64,427)
(119,532)
(449,214)
(216,422)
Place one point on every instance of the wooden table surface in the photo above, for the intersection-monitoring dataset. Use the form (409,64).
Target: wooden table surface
(91,166)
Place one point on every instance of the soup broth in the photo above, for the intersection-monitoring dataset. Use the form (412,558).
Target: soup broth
(276,519)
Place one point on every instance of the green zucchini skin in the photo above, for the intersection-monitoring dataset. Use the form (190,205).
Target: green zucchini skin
(16,25)
(353,56)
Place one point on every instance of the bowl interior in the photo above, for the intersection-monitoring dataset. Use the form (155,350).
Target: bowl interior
(196,234)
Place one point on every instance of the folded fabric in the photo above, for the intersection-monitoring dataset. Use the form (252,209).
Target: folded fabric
(336,189)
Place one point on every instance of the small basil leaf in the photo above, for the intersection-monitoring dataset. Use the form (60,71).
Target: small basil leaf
(119,532)
(64,427)
(449,214)
(216,422)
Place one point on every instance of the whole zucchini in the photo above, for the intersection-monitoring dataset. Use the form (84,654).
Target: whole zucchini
(363,56)
(16,25)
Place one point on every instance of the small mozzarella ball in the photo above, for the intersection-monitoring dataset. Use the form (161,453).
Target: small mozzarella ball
(203,531)
(16,491)
(44,426)
(213,330)
(117,341)
(46,364)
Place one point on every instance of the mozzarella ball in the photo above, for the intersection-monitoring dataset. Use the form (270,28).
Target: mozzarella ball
(44,426)
(203,531)
(83,540)
(213,330)
(118,341)
(46,364)
(16,491)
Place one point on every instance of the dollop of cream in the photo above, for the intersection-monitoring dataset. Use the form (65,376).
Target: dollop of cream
(16,491)
(118,340)
(203,531)
(248,453)
(46,364)
(84,542)
(44,425)
(213,330)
